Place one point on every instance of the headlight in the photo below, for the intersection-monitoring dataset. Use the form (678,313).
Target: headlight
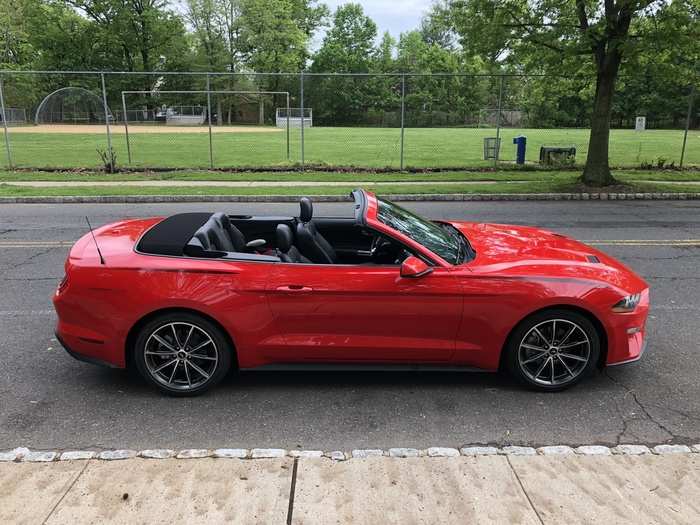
(627,304)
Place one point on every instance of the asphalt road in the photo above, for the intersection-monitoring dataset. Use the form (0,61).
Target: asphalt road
(49,400)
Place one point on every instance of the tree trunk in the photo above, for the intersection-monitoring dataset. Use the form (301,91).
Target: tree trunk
(597,169)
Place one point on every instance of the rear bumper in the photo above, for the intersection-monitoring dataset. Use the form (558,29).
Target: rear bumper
(82,357)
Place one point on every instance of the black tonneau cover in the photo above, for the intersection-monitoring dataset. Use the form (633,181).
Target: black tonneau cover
(171,235)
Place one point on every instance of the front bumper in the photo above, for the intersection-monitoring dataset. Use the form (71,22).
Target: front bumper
(632,359)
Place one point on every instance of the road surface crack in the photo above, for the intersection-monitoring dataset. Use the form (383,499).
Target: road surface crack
(642,407)
(28,260)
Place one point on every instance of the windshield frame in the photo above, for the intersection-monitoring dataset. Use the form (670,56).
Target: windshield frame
(372,218)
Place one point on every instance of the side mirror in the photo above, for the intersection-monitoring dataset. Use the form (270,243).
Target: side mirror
(414,267)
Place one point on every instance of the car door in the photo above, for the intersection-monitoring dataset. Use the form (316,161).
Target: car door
(363,313)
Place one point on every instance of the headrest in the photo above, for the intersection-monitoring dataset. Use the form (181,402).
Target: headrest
(285,238)
(222,219)
(307,209)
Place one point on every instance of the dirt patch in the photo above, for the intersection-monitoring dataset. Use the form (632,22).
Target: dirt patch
(97,129)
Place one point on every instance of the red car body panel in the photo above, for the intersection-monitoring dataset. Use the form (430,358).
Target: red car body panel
(295,313)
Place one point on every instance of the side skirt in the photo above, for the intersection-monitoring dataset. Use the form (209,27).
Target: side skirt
(357,367)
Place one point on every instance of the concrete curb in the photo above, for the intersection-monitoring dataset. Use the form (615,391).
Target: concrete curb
(452,197)
(23,454)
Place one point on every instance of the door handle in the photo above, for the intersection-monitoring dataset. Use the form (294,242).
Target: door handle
(294,288)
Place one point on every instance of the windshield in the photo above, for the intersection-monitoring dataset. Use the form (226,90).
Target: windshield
(448,243)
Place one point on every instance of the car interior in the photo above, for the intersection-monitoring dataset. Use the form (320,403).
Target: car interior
(304,239)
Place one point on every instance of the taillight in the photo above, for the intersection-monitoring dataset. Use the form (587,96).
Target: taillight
(62,285)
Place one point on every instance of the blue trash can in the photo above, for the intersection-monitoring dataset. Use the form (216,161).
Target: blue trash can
(521,144)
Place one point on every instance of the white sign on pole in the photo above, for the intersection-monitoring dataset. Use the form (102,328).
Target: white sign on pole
(640,124)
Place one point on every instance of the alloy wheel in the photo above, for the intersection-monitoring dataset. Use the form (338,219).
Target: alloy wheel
(554,352)
(181,356)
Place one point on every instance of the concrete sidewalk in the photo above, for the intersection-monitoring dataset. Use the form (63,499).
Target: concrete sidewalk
(463,489)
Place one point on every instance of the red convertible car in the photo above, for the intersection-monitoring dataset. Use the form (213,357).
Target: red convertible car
(185,299)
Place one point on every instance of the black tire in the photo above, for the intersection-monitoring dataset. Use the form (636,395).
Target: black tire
(563,367)
(213,359)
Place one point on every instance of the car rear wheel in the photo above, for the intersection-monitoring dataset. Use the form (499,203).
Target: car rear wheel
(182,354)
(553,350)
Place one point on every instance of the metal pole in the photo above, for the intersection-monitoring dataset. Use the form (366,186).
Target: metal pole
(126,127)
(498,125)
(687,123)
(4,124)
(301,80)
(109,131)
(403,114)
(287,126)
(211,146)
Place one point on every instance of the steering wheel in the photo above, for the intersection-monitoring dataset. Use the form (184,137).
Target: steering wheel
(378,242)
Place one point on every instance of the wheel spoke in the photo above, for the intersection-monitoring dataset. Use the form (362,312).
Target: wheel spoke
(574,357)
(177,340)
(537,331)
(571,345)
(542,367)
(200,371)
(205,357)
(552,361)
(566,337)
(533,347)
(164,342)
(189,334)
(177,363)
(536,357)
(161,367)
(161,354)
(566,366)
(554,337)
(187,373)
(202,345)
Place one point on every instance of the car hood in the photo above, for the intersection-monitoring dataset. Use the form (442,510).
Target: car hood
(527,250)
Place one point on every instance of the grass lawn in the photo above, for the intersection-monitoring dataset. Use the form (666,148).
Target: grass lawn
(558,184)
(321,176)
(361,147)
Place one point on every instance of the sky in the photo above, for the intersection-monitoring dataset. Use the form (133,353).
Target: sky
(395,16)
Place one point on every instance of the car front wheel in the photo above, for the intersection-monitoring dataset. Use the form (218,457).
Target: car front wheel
(553,350)
(182,354)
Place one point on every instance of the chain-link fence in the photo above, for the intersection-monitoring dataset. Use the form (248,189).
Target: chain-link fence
(396,121)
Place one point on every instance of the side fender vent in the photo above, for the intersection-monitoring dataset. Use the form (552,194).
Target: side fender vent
(592,259)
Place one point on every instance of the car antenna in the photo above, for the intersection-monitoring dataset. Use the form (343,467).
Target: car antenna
(102,259)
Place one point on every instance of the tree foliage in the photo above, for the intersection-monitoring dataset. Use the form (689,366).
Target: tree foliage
(584,63)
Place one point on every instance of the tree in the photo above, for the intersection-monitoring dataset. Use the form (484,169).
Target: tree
(596,29)
(148,34)
(275,33)
(348,46)
(15,45)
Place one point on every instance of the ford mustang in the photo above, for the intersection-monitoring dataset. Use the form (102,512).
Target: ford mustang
(187,298)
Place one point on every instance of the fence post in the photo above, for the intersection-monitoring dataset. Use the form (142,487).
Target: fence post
(4,123)
(687,123)
(301,90)
(403,113)
(498,124)
(126,127)
(287,126)
(211,146)
(109,131)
